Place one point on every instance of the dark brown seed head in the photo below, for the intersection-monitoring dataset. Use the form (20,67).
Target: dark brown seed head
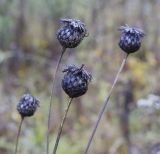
(27,105)
(71,33)
(75,81)
(130,39)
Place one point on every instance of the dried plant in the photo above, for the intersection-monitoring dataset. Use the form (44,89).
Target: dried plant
(26,107)
(130,41)
(69,35)
(75,84)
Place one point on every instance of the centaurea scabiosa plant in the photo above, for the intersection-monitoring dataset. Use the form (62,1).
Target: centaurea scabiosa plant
(75,84)
(26,107)
(69,35)
(130,42)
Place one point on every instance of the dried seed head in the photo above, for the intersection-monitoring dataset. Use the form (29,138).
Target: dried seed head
(130,39)
(27,105)
(71,33)
(75,81)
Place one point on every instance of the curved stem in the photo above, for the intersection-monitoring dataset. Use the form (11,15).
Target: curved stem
(19,130)
(61,127)
(51,97)
(105,104)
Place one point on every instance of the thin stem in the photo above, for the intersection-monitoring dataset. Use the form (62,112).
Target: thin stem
(51,97)
(19,130)
(61,127)
(105,104)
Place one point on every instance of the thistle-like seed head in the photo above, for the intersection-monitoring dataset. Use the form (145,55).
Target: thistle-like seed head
(75,81)
(71,33)
(130,39)
(27,105)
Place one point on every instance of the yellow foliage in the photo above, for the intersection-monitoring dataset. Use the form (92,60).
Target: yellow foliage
(21,71)
(98,52)
(138,70)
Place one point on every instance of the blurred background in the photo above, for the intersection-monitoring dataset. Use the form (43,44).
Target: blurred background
(29,52)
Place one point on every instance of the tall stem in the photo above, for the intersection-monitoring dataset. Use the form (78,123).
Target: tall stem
(51,97)
(105,103)
(19,131)
(61,127)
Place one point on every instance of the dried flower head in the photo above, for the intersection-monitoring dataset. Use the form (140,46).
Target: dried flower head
(71,33)
(130,39)
(75,81)
(27,105)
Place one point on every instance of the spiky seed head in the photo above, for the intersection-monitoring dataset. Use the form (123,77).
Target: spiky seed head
(71,33)
(130,39)
(27,105)
(75,81)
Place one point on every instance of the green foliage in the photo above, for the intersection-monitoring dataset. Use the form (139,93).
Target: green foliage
(65,146)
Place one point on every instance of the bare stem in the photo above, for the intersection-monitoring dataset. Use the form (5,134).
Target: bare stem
(61,126)
(19,130)
(51,97)
(105,104)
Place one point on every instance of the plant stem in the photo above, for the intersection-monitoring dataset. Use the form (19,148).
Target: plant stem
(51,97)
(19,130)
(105,103)
(61,126)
